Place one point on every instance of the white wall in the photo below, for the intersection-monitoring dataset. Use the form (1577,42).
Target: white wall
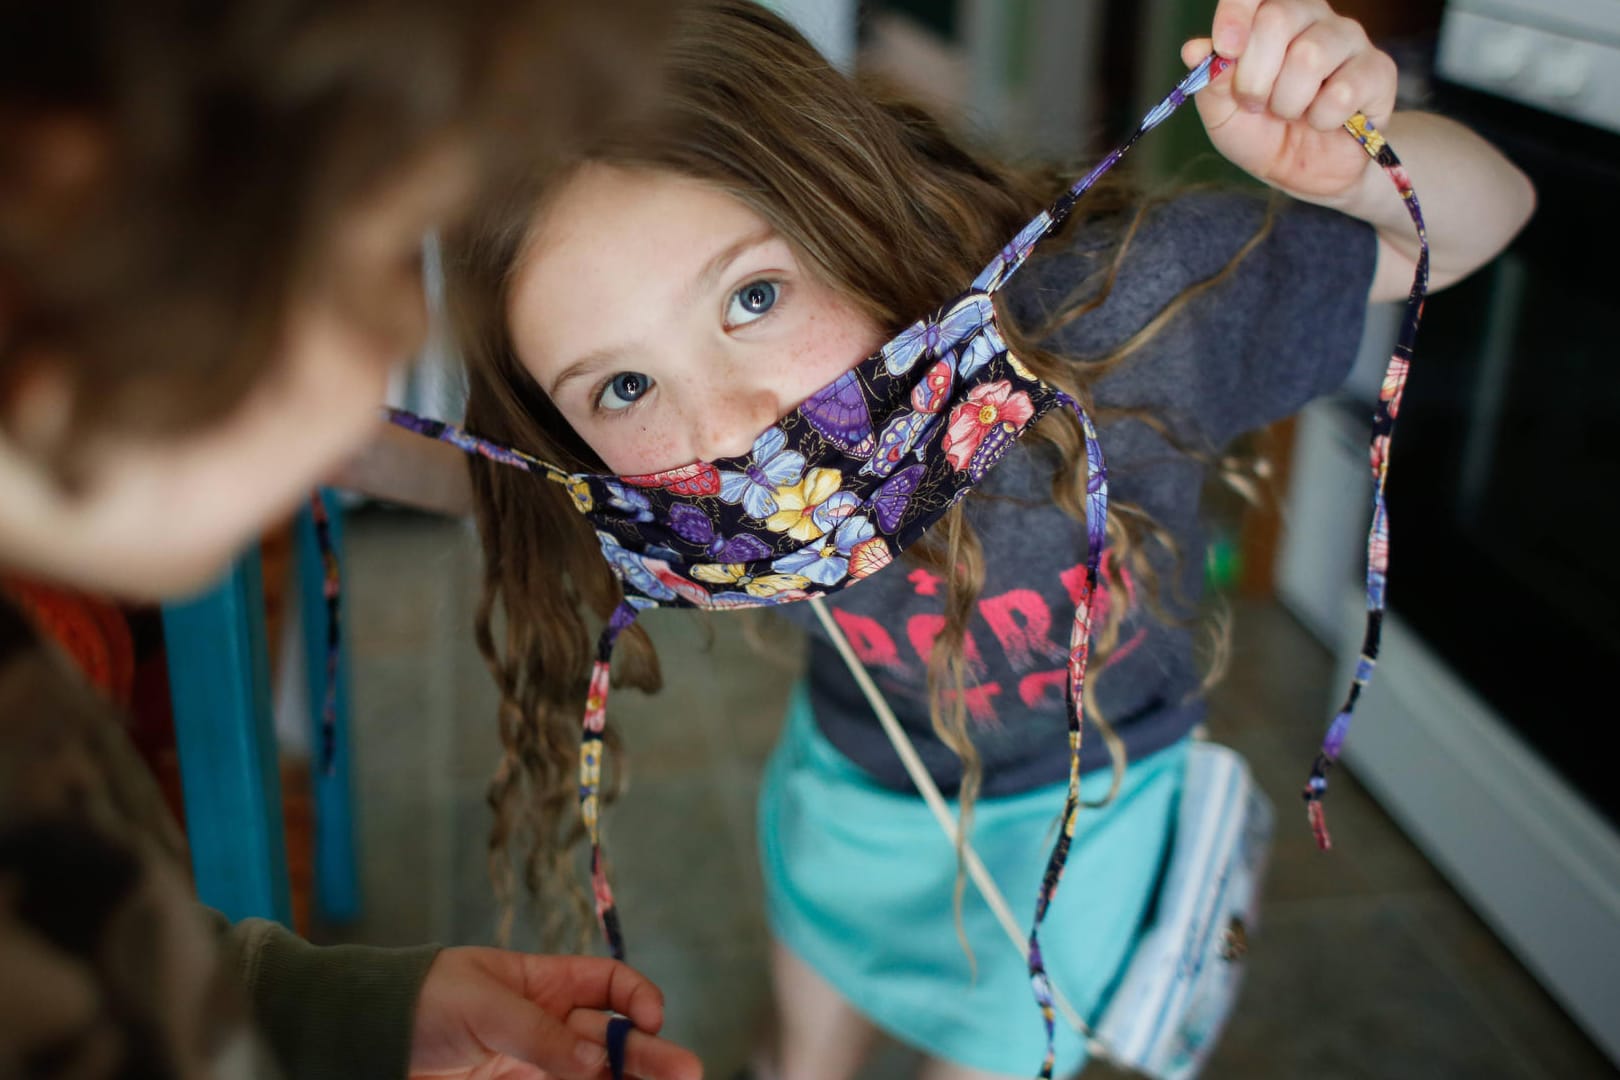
(829,24)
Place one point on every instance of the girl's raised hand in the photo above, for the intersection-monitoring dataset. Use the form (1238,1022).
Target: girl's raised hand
(1300,71)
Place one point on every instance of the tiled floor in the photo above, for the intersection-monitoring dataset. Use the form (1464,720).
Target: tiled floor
(1367,965)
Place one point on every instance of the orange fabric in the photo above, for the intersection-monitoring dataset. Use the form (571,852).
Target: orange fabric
(93,632)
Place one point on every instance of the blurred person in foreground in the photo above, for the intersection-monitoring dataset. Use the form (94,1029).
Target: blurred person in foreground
(210,218)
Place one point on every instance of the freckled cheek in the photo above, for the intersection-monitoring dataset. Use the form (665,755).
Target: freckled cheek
(829,346)
(641,449)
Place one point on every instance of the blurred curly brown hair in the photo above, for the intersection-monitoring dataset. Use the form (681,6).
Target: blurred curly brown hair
(171,171)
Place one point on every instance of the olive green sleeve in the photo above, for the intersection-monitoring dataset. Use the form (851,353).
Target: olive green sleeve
(334,1012)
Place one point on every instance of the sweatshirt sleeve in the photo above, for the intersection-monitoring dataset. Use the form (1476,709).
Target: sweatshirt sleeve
(1243,308)
(335,1012)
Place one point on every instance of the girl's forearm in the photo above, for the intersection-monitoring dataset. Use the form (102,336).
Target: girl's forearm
(1474,201)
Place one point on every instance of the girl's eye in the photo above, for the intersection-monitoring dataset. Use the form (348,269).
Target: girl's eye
(750,302)
(623,390)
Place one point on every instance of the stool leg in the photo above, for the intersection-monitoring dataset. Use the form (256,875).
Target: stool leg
(337,885)
(220,684)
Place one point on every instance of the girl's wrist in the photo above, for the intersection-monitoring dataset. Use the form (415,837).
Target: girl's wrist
(1372,198)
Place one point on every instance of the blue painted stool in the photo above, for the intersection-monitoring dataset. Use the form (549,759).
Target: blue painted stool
(220,683)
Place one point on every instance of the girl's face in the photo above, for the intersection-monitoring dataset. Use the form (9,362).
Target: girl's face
(669,323)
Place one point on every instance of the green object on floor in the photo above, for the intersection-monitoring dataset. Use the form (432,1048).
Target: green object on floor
(1223,562)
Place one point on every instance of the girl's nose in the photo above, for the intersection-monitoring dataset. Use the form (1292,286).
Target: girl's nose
(732,417)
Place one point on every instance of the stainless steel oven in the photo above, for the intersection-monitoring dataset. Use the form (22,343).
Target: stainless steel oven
(1486,730)
(1507,486)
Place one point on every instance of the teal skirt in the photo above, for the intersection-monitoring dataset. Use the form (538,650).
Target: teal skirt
(859,878)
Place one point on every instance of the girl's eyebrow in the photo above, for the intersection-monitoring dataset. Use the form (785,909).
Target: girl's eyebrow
(716,266)
(596,358)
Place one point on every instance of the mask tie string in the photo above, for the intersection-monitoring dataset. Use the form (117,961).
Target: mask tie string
(592,730)
(1383,429)
(591,752)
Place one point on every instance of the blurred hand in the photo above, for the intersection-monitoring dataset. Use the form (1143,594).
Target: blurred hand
(491,1014)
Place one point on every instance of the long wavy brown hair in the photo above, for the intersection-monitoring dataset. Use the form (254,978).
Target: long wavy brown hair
(844,173)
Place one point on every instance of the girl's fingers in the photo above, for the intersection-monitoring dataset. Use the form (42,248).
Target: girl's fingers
(1313,58)
(1215,102)
(1231,26)
(1194,51)
(1365,83)
(1295,59)
(1276,25)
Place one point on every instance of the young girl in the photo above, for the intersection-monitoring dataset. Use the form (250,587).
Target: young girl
(665,295)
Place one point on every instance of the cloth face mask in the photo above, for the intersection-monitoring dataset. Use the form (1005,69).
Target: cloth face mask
(833,491)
